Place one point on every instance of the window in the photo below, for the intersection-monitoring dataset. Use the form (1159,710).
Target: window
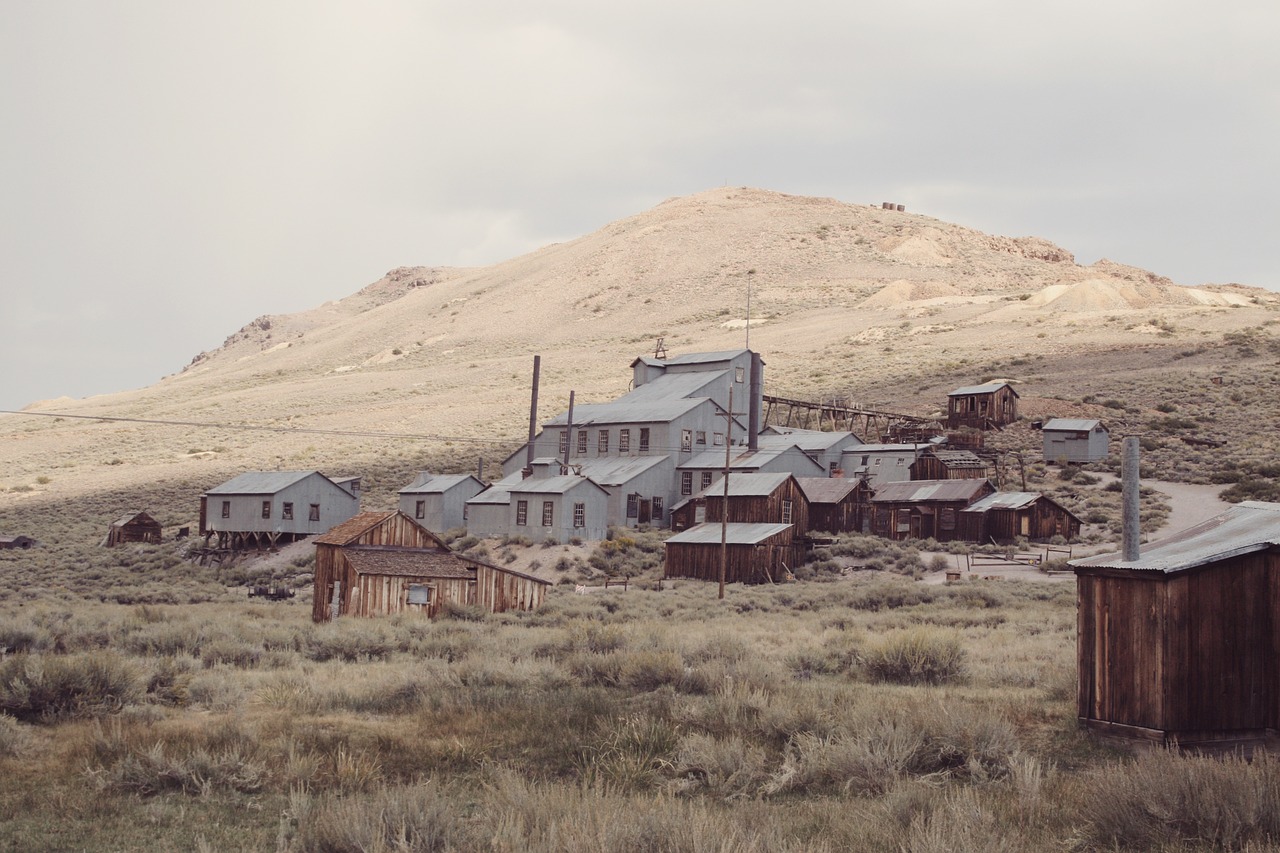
(286,511)
(706,479)
(420,509)
(314,515)
(582,442)
(579,515)
(226,509)
(420,593)
(686,440)
(633,506)
(786,511)
(657,508)
(624,441)
(832,468)
(947,518)
(739,373)
(266,509)
(699,514)
(644,439)
(701,436)
(866,459)
(564,442)
(522,513)
(719,439)
(602,443)
(548,513)
(686,482)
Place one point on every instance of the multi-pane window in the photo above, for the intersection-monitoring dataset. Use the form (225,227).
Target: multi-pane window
(579,515)
(226,509)
(548,513)
(522,513)
(657,508)
(582,442)
(266,509)
(706,479)
(686,440)
(624,441)
(644,439)
(314,514)
(633,506)
(286,512)
(602,443)
(786,511)
(420,509)
(718,438)
(701,436)
(564,442)
(686,482)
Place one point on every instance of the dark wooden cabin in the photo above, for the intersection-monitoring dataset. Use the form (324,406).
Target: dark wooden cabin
(935,463)
(19,541)
(134,527)
(753,498)
(1004,516)
(1182,645)
(836,504)
(919,509)
(988,406)
(757,553)
(385,562)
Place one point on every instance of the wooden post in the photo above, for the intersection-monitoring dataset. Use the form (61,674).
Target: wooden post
(724,509)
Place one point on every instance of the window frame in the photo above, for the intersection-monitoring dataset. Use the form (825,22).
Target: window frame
(624,441)
(602,441)
(548,513)
(286,511)
(266,509)
(686,482)
(579,515)
(522,513)
(420,509)
(644,439)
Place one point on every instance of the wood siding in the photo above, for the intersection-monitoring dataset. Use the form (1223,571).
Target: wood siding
(500,591)
(757,563)
(982,411)
(1041,520)
(755,509)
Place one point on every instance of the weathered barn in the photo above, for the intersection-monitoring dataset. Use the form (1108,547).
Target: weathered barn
(1075,440)
(836,504)
(267,507)
(756,553)
(919,509)
(1183,644)
(19,541)
(935,463)
(988,406)
(1004,516)
(380,563)
(438,501)
(134,527)
(753,498)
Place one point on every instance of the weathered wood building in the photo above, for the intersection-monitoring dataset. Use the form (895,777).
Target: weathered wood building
(919,509)
(264,508)
(836,504)
(936,463)
(756,553)
(1075,440)
(19,541)
(134,527)
(988,406)
(381,563)
(1182,645)
(1004,516)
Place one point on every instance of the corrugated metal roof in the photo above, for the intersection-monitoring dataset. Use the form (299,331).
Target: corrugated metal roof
(435,484)
(827,490)
(1004,500)
(662,410)
(929,490)
(617,471)
(735,533)
(414,562)
(806,439)
(746,485)
(739,457)
(557,485)
(985,388)
(884,448)
(691,358)
(499,492)
(1071,424)
(353,528)
(261,482)
(1243,529)
(674,386)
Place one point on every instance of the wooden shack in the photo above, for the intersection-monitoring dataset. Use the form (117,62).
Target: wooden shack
(920,509)
(1182,645)
(1005,516)
(836,504)
(756,553)
(988,406)
(382,563)
(753,498)
(19,541)
(133,527)
(936,463)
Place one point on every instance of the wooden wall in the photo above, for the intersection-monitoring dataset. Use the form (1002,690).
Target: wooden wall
(500,591)
(756,509)
(746,563)
(1043,519)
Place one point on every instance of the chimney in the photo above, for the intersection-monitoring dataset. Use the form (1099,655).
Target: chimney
(533,418)
(568,433)
(753,408)
(1129,497)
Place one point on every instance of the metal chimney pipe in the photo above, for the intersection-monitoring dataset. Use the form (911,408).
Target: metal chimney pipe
(753,408)
(568,434)
(1129,497)
(533,417)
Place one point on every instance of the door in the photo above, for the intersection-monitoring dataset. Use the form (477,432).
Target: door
(644,511)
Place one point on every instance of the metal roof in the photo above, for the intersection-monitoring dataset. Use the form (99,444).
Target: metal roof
(862,449)
(986,388)
(957,458)
(674,386)
(806,439)
(1004,500)
(661,410)
(499,492)
(735,533)
(557,485)
(742,457)
(263,482)
(929,490)
(1243,529)
(618,470)
(691,358)
(827,490)
(436,483)
(1072,424)
(746,485)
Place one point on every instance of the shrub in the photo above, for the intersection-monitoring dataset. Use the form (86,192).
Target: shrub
(34,687)
(916,656)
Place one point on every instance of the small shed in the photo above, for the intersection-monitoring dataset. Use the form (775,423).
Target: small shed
(920,509)
(1182,645)
(991,405)
(935,463)
(19,541)
(1004,516)
(133,527)
(1075,440)
(438,501)
(756,553)
(836,504)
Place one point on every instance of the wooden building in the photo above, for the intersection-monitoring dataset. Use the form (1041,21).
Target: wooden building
(1182,645)
(756,553)
(988,406)
(753,498)
(19,541)
(380,563)
(264,508)
(836,504)
(134,527)
(1004,516)
(920,509)
(936,463)
(1075,440)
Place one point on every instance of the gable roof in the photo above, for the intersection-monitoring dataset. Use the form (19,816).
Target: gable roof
(742,457)
(416,562)
(267,482)
(1072,424)
(671,386)
(353,528)
(690,358)
(431,484)
(930,490)
(129,518)
(660,410)
(806,439)
(955,458)
(735,533)
(828,490)
(746,485)
(1245,528)
(617,470)
(558,485)
(985,388)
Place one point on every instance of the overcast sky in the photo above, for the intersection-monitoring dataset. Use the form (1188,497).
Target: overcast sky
(172,170)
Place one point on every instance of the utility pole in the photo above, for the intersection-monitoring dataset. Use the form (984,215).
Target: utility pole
(724,507)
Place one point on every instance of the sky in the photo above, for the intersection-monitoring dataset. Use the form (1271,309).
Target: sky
(171,170)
